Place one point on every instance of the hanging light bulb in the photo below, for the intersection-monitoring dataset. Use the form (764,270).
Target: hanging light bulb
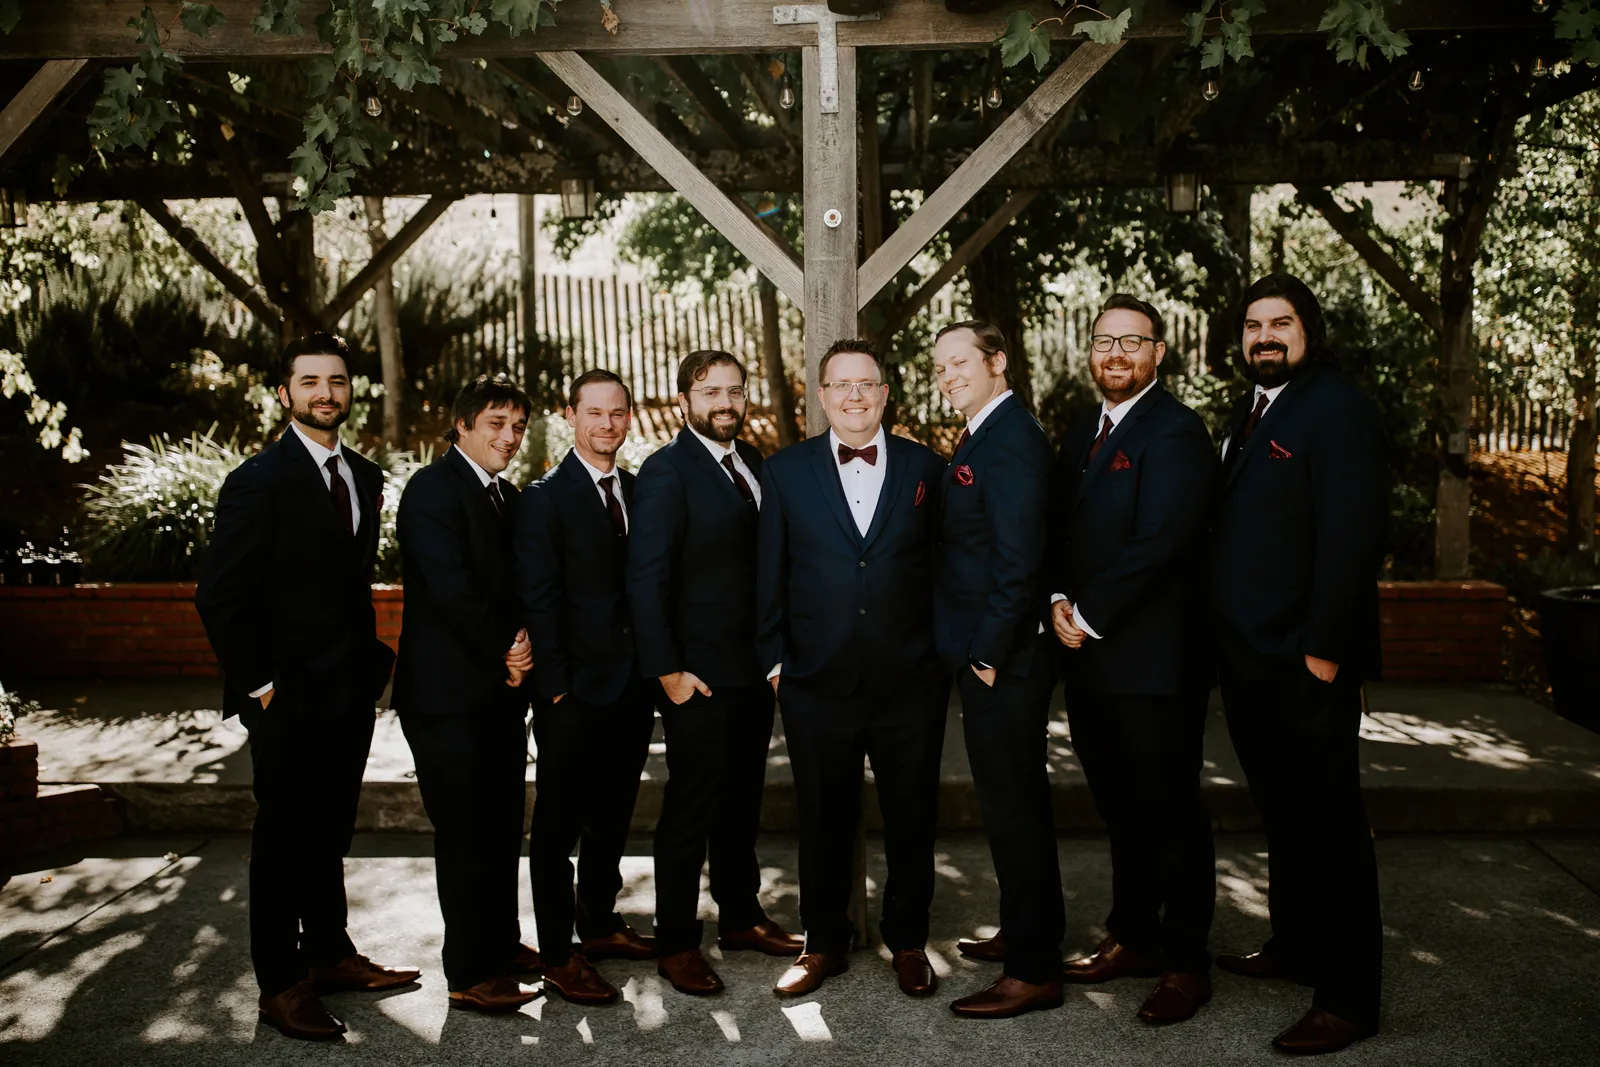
(374,107)
(1541,6)
(1212,89)
(785,92)
(1540,67)
(1414,83)
(574,104)
(994,98)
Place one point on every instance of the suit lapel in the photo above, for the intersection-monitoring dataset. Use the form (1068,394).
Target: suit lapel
(825,465)
(1001,411)
(700,459)
(1118,434)
(310,475)
(891,489)
(1268,420)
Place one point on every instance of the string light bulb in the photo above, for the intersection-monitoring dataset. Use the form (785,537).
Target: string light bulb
(1541,6)
(995,97)
(374,107)
(1211,90)
(785,92)
(574,104)
(1540,67)
(1414,83)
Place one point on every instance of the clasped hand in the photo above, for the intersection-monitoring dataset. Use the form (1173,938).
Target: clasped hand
(1066,632)
(519,659)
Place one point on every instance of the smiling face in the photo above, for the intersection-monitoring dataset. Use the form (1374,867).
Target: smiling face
(318,393)
(1274,341)
(715,405)
(853,394)
(600,422)
(1119,374)
(494,437)
(966,378)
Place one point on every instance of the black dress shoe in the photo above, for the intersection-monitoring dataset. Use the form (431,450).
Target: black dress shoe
(298,1013)
(1318,1033)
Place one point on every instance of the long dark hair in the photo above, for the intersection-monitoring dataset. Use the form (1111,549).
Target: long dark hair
(1305,303)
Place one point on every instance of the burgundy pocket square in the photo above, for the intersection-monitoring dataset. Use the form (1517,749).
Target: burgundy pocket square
(922,494)
(1277,451)
(964,474)
(1121,462)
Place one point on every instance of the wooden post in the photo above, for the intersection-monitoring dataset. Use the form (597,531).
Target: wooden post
(780,397)
(300,261)
(1457,361)
(537,384)
(1234,204)
(830,221)
(1580,457)
(388,327)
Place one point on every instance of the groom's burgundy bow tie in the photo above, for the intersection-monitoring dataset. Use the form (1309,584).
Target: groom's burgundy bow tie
(869,454)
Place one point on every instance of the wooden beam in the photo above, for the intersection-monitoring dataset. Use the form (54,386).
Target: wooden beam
(902,314)
(830,220)
(50,29)
(393,249)
(190,242)
(986,160)
(1355,233)
(538,84)
(720,120)
(43,93)
(683,175)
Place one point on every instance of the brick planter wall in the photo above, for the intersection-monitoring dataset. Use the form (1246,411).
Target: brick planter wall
(1432,631)
(1442,631)
(32,818)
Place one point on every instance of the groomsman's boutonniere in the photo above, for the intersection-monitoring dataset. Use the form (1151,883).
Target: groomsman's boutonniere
(1121,462)
(1277,451)
(922,494)
(964,475)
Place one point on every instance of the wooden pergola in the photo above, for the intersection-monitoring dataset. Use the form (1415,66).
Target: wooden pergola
(505,128)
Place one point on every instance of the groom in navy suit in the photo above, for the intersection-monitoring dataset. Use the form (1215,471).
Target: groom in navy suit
(844,597)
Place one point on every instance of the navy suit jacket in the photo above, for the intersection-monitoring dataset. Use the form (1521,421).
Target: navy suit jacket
(460,617)
(1127,547)
(692,566)
(988,590)
(845,613)
(1300,519)
(570,578)
(284,594)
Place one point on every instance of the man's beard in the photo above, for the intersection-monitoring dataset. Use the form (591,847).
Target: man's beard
(1135,383)
(705,427)
(1271,375)
(307,416)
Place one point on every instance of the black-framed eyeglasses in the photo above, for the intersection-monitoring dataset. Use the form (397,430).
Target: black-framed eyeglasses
(1129,342)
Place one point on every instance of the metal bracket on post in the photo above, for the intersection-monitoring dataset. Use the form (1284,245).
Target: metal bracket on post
(827,44)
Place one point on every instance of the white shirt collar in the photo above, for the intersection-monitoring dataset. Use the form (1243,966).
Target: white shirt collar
(319,453)
(1126,406)
(1272,394)
(483,476)
(595,473)
(717,448)
(983,412)
(880,440)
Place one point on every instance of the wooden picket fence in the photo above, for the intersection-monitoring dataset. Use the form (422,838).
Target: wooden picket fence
(1513,422)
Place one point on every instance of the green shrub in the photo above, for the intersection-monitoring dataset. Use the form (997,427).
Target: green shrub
(12,708)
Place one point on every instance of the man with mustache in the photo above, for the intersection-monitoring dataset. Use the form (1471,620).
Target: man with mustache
(988,602)
(691,583)
(844,594)
(592,717)
(286,598)
(458,689)
(1298,542)
(1133,485)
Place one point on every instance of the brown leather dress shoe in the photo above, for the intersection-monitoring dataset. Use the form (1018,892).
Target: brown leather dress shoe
(987,949)
(914,973)
(526,961)
(806,973)
(296,1012)
(496,996)
(1009,997)
(1111,959)
(1318,1033)
(578,981)
(360,974)
(625,944)
(766,936)
(1175,998)
(689,973)
(1263,963)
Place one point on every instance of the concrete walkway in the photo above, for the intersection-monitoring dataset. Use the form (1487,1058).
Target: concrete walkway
(1438,759)
(130,955)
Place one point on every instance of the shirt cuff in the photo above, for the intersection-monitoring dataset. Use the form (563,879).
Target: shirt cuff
(774,672)
(263,691)
(1056,598)
(1083,624)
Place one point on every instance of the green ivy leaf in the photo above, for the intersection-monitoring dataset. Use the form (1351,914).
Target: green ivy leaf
(278,16)
(10,13)
(1105,31)
(1016,40)
(199,18)
(1195,25)
(516,15)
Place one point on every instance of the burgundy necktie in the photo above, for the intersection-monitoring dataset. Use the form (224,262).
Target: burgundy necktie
(868,455)
(341,496)
(738,479)
(619,523)
(495,498)
(1250,424)
(966,435)
(1100,440)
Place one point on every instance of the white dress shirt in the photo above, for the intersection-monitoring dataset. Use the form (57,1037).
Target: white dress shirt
(319,456)
(1255,398)
(483,476)
(861,481)
(718,450)
(1116,413)
(983,413)
(615,474)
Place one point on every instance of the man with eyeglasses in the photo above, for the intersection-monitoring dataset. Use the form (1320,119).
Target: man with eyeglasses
(844,594)
(1128,539)
(692,585)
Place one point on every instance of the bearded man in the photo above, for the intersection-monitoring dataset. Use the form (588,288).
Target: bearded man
(1298,541)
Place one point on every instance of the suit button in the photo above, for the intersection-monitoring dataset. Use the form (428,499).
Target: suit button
(626,630)
(863,563)
(863,611)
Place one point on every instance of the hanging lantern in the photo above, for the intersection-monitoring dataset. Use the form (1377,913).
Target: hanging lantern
(1183,193)
(574,105)
(374,107)
(577,198)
